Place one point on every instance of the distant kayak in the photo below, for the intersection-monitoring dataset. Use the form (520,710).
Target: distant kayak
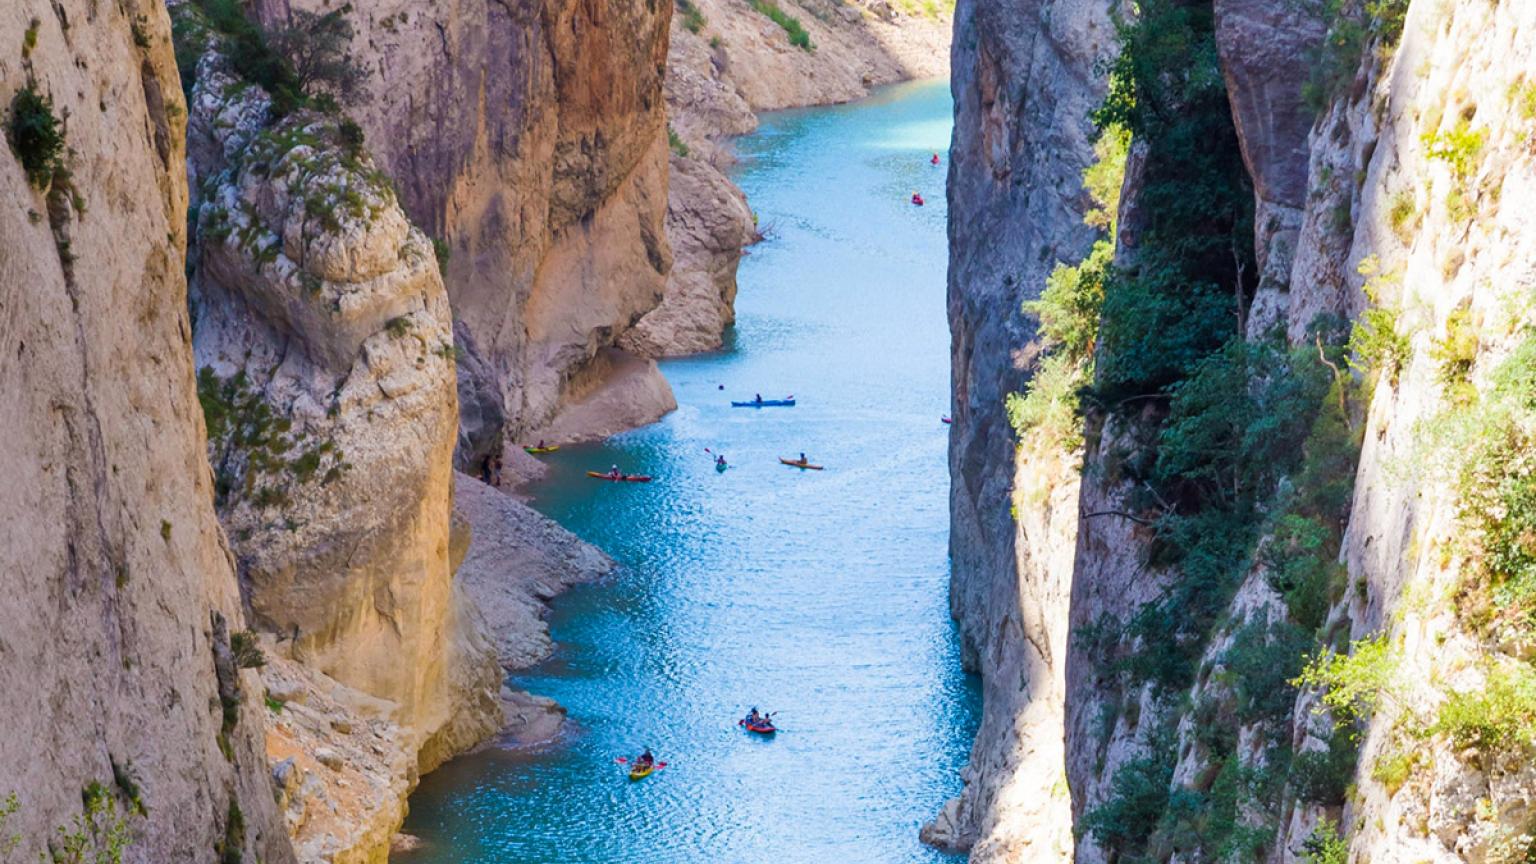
(946,420)
(622,478)
(535,451)
(804,466)
(917,199)
(721,466)
(640,773)
(764,728)
(766,403)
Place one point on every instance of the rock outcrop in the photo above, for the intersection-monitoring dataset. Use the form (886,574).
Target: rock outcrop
(327,374)
(530,139)
(708,224)
(118,683)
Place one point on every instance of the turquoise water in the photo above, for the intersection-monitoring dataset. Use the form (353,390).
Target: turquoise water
(819,595)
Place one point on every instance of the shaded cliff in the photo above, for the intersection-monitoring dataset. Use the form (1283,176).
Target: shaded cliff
(122,652)
(1024,84)
(1296,604)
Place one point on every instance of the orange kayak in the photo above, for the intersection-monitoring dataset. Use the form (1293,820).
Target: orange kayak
(623,478)
(804,466)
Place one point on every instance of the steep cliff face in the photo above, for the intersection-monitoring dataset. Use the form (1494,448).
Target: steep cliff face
(1024,84)
(530,138)
(120,600)
(1298,626)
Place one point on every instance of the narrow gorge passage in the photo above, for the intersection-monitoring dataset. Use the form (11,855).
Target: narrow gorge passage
(820,595)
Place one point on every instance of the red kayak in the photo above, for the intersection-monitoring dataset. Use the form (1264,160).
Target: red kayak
(918,200)
(622,478)
(764,728)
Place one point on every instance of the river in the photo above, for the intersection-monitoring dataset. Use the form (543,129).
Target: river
(818,595)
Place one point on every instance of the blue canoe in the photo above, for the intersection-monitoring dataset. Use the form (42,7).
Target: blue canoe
(766,403)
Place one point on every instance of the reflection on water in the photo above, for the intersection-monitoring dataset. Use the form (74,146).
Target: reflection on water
(820,595)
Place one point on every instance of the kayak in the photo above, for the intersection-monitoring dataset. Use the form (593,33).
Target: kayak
(766,403)
(804,466)
(760,728)
(639,773)
(626,478)
(946,420)
(721,466)
(535,451)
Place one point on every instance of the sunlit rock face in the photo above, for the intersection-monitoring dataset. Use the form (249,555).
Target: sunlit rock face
(530,139)
(119,597)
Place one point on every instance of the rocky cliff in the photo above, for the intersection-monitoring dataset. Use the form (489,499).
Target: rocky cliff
(1024,84)
(326,374)
(132,719)
(529,140)
(1296,603)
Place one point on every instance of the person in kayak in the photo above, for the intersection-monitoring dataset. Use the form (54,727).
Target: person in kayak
(803,460)
(758,399)
(720,460)
(645,760)
(935,159)
(917,199)
(615,473)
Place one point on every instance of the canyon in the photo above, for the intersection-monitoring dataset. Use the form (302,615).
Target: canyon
(1240,297)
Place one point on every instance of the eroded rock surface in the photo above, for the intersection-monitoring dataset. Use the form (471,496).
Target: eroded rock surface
(119,595)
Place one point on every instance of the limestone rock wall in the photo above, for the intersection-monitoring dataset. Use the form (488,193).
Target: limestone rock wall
(1409,192)
(119,595)
(327,373)
(530,138)
(1024,83)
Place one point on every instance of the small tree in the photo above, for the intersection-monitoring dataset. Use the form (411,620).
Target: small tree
(316,48)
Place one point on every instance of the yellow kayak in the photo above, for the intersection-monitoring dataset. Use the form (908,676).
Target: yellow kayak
(804,466)
(536,451)
(639,773)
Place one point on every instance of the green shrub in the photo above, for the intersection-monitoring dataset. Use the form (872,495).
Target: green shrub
(1352,27)
(1377,344)
(1260,664)
(1523,97)
(29,39)
(1403,216)
(1138,796)
(8,807)
(798,37)
(1301,566)
(443,251)
(676,142)
(693,19)
(36,136)
(1354,684)
(98,835)
(1323,776)
(1392,769)
(247,650)
(1324,845)
(1460,147)
(1455,353)
(1180,300)
(1499,718)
